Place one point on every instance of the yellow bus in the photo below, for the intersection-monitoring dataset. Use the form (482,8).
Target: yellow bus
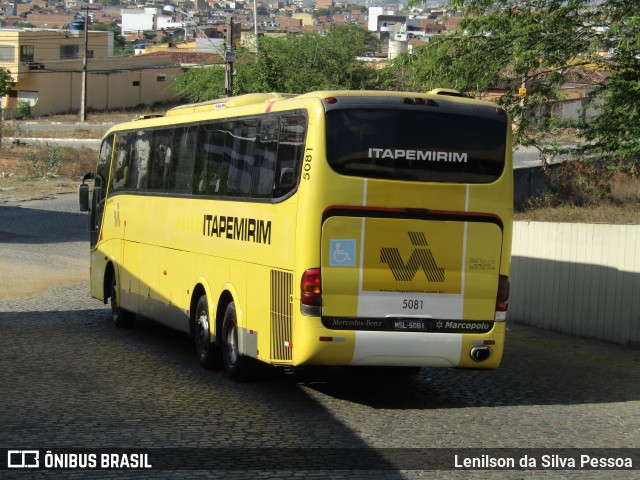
(331,228)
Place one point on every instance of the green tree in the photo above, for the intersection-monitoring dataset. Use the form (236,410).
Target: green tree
(507,45)
(291,64)
(6,85)
(616,132)
(201,84)
(328,12)
(118,39)
(302,63)
(540,45)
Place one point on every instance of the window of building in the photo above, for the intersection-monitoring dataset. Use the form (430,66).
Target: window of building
(26,53)
(161,78)
(136,83)
(7,53)
(69,51)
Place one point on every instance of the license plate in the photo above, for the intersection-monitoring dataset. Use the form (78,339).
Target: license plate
(410,325)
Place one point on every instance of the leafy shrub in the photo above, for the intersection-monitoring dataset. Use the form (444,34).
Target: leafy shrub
(47,161)
(579,182)
(54,159)
(24,109)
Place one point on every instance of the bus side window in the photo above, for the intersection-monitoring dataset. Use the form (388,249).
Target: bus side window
(239,157)
(183,159)
(290,151)
(104,161)
(209,160)
(160,159)
(263,176)
(139,166)
(120,170)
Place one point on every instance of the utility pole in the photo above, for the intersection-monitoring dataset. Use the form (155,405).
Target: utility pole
(83,103)
(229,58)
(255,26)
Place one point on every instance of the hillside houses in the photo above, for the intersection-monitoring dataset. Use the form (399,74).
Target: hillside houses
(143,22)
(44,53)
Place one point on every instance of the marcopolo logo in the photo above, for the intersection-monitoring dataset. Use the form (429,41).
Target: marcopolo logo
(421,258)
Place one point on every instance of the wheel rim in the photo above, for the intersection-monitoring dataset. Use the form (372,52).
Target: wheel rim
(232,345)
(114,301)
(203,331)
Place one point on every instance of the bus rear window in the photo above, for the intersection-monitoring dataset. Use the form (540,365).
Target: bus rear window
(416,145)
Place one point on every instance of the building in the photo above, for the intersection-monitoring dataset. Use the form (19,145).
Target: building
(136,20)
(47,68)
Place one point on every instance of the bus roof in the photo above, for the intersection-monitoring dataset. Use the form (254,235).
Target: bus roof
(202,110)
(228,102)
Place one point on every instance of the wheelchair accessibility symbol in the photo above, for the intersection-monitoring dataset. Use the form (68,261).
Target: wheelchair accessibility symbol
(343,253)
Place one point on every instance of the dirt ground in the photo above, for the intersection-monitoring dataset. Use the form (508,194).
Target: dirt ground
(20,275)
(16,190)
(32,172)
(29,268)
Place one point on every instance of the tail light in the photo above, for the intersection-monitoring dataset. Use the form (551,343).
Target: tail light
(311,292)
(502,299)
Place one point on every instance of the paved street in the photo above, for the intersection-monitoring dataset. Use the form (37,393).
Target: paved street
(70,379)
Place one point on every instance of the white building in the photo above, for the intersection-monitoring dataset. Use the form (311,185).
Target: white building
(135,20)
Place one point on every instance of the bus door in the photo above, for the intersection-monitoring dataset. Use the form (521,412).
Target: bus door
(98,197)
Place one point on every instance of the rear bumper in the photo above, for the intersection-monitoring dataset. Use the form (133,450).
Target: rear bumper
(316,345)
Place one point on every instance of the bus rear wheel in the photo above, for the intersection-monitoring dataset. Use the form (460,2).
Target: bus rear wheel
(239,367)
(207,351)
(122,318)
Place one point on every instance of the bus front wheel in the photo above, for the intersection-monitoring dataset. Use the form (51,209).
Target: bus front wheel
(239,367)
(122,318)
(207,351)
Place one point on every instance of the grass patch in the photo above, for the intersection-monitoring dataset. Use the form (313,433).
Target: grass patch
(96,125)
(19,130)
(110,116)
(20,162)
(588,192)
(33,172)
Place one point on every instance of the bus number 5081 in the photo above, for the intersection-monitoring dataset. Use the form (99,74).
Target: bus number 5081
(412,304)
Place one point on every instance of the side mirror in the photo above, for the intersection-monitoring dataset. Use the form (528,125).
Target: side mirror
(83,193)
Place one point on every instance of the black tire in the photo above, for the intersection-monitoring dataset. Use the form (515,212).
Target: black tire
(239,367)
(208,353)
(121,317)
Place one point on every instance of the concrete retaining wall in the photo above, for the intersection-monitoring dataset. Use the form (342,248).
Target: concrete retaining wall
(577,278)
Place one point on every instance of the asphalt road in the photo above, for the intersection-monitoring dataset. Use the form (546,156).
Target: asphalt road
(69,379)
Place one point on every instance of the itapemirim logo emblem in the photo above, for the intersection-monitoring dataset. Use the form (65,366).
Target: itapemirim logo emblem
(420,258)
